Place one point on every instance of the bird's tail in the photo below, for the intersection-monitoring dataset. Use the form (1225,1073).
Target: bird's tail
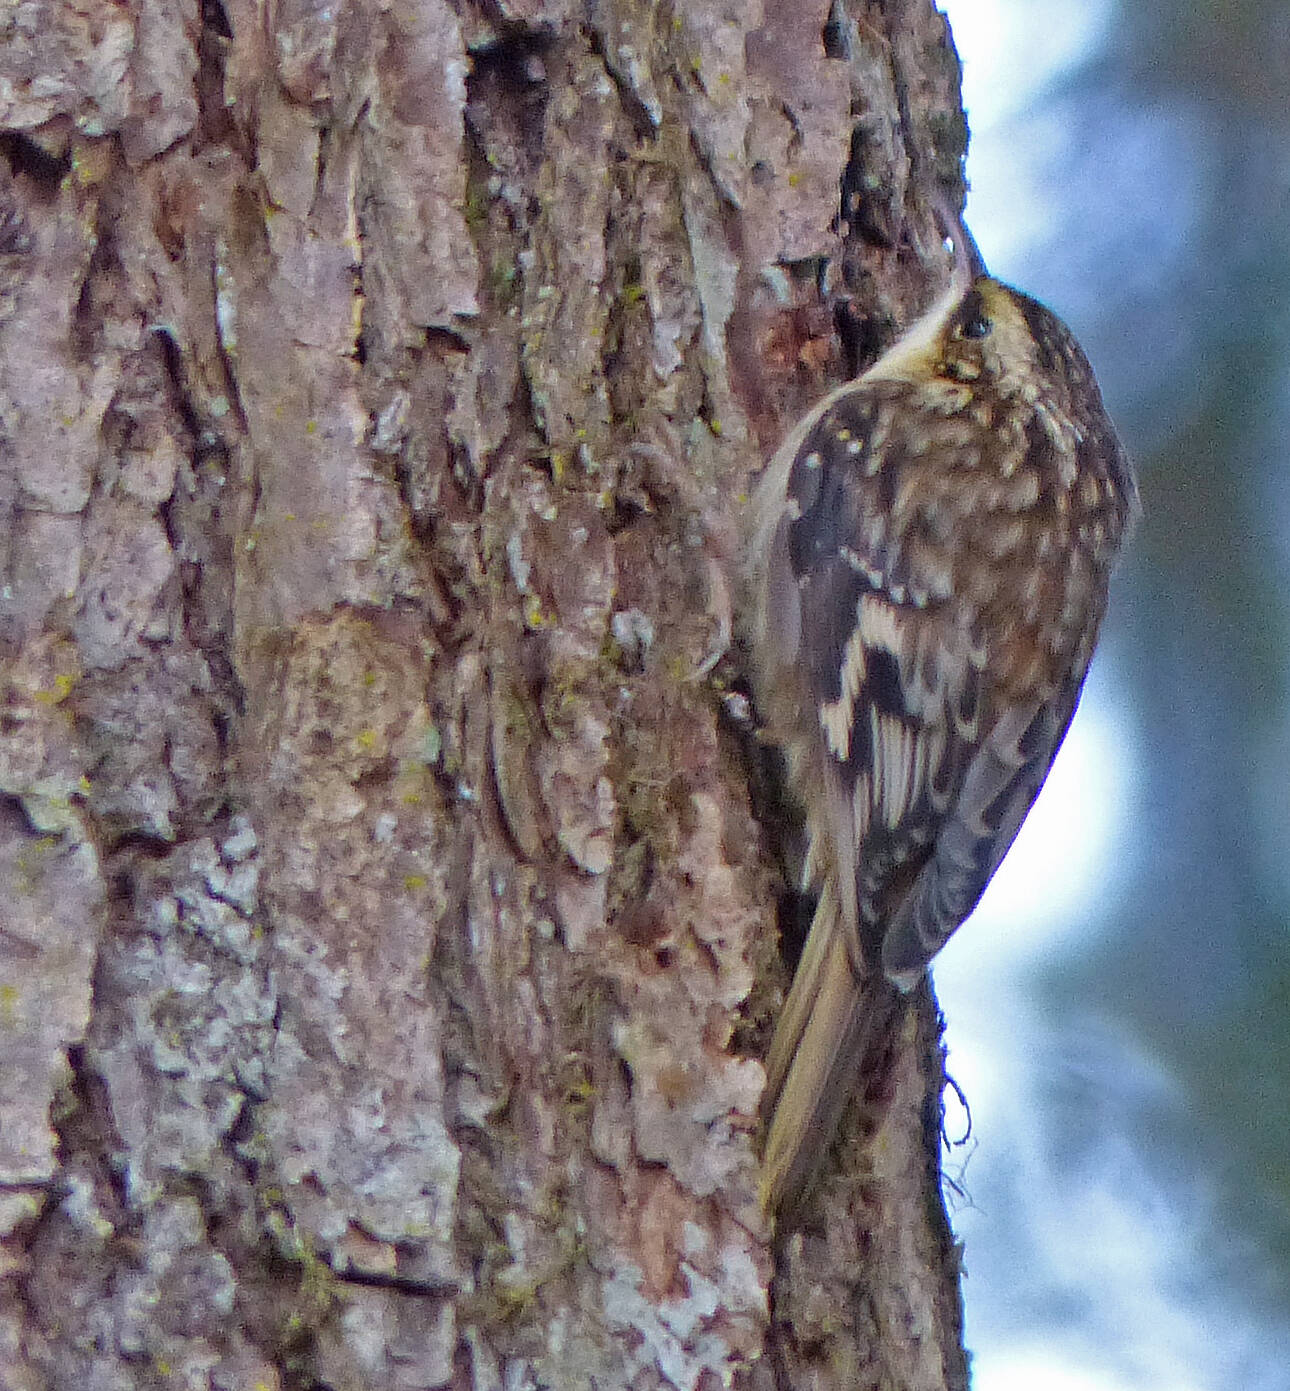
(831,1026)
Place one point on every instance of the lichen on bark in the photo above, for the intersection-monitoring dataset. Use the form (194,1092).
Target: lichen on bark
(387,930)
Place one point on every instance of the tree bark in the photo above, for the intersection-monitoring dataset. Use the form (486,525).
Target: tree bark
(388,931)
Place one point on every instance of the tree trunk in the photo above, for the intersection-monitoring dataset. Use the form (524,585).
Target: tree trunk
(388,932)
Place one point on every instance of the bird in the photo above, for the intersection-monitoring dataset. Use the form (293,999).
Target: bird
(932,551)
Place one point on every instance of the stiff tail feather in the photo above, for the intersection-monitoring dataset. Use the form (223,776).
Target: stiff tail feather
(830,1026)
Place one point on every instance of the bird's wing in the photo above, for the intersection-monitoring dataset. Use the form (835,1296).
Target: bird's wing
(1001,782)
(896,589)
(860,593)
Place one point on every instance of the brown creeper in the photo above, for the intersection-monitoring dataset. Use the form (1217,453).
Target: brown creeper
(934,544)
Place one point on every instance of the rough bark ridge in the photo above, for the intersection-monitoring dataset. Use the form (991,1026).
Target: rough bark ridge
(386,937)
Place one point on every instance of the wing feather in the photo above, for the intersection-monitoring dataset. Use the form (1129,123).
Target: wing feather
(998,789)
(924,782)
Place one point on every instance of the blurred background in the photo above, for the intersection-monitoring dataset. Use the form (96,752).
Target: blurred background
(1119,1006)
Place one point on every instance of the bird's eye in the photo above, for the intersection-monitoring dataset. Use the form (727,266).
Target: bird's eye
(972,321)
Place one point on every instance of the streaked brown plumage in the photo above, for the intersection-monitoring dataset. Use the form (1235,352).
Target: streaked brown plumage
(935,540)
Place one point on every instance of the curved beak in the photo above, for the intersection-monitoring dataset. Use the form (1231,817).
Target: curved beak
(969,264)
